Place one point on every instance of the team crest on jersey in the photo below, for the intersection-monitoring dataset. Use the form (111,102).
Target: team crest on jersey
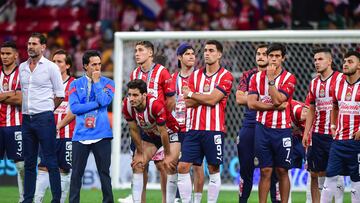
(6,86)
(206,88)
(256,161)
(348,96)
(322,93)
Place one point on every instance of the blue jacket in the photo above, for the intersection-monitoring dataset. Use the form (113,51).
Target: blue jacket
(100,98)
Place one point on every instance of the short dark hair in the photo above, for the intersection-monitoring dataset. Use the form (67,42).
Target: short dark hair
(40,36)
(9,44)
(68,59)
(261,46)
(146,44)
(352,53)
(218,45)
(138,84)
(88,54)
(276,47)
(321,50)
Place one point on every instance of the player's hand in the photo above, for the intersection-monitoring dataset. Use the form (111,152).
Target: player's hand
(96,76)
(305,140)
(138,159)
(282,106)
(357,135)
(185,91)
(170,165)
(333,131)
(270,71)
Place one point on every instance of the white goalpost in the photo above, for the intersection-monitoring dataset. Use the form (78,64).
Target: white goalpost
(238,56)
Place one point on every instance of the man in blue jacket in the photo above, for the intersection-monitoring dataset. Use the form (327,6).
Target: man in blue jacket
(89,97)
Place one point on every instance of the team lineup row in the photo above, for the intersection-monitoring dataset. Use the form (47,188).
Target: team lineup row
(184,112)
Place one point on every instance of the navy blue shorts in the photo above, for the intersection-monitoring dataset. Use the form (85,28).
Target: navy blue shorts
(297,152)
(11,143)
(63,153)
(181,136)
(156,140)
(200,143)
(344,159)
(318,153)
(273,147)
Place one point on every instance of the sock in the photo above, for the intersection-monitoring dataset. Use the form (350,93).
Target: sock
(137,187)
(355,192)
(20,179)
(185,188)
(42,183)
(308,188)
(65,185)
(171,187)
(328,190)
(321,181)
(214,187)
(197,197)
(339,194)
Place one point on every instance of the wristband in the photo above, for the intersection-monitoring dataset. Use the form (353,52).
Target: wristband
(189,95)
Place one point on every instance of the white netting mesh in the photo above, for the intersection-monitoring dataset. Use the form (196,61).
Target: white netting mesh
(238,56)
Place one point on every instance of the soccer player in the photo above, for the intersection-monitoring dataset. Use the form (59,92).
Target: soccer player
(10,111)
(186,61)
(318,120)
(344,157)
(160,85)
(207,94)
(246,135)
(150,114)
(269,92)
(65,125)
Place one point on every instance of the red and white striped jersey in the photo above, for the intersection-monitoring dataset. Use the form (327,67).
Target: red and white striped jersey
(155,113)
(60,113)
(347,97)
(296,110)
(10,115)
(285,83)
(204,117)
(320,95)
(158,80)
(181,113)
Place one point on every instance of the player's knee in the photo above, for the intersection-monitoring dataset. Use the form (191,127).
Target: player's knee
(281,172)
(138,169)
(213,169)
(184,167)
(160,165)
(266,173)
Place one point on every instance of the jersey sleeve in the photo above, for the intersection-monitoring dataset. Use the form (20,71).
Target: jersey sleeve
(126,110)
(226,83)
(158,110)
(167,83)
(253,85)
(288,87)
(243,84)
(310,98)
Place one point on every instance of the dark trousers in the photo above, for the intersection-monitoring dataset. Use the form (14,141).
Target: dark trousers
(80,154)
(40,129)
(246,154)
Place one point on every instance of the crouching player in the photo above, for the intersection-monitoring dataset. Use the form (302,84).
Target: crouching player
(150,114)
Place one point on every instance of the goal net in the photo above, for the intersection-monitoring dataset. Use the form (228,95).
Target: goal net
(238,56)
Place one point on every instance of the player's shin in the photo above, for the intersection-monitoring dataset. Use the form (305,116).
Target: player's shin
(42,183)
(214,187)
(65,185)
(171,187)
(20,179)
(137,187)
(185,189)
(329,189)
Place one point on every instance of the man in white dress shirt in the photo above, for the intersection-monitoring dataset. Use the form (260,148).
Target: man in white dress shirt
(42,92)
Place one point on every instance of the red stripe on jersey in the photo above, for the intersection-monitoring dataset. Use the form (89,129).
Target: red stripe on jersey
(347,97)
(320,95)
(72,90)
(61,111)
(285,83)
(296,110)
(10,115)
(110,87)
(158,81)
(204,117)
(155,112)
